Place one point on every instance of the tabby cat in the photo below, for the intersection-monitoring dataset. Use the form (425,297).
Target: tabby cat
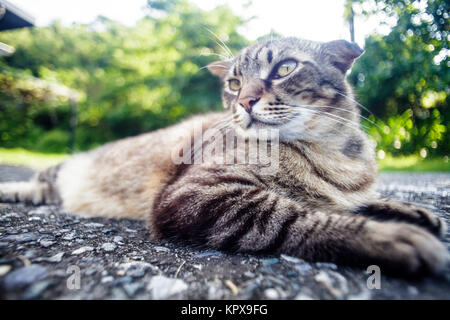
(318,203)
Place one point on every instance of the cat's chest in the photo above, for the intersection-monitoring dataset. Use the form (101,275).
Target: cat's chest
(321,179)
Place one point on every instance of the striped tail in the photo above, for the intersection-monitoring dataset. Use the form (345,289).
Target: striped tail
(41,189)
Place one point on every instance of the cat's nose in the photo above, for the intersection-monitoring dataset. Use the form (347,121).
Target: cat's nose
(251,93)
(248,102)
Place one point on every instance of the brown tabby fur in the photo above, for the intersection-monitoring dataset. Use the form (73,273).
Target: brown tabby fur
(319,204)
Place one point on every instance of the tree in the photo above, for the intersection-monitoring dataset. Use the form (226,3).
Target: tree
(133,79)
(403,77)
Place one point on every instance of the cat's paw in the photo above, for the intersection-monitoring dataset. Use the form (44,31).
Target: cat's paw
(406,212)
(430,221)
(407,249)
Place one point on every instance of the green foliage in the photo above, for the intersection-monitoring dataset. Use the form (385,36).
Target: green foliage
(403,78)
(132,79)
(414,163)
(32,159)
(54,141)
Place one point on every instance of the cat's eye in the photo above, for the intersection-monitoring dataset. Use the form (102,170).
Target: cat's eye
(234,84)
(286,68)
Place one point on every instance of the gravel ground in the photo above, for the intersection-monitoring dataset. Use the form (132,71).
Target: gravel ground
(46,254)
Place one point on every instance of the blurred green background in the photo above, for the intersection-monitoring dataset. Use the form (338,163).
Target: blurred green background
(129,80)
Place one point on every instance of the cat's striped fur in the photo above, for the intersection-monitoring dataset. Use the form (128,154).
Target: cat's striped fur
(319,204)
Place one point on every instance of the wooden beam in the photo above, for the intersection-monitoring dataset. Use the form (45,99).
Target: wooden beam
(6,50)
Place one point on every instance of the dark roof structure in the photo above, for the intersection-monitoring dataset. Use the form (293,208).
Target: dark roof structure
(12,17)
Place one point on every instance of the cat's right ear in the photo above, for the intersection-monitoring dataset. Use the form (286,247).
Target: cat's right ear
(220,68)
(342,53)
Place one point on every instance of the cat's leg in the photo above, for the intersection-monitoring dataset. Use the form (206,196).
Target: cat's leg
(385,210)
(41,189)
(236,213)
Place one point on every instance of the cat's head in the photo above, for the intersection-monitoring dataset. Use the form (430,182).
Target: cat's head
(294,85)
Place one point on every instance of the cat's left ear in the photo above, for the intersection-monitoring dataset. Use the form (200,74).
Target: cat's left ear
(220,68)
(342,53)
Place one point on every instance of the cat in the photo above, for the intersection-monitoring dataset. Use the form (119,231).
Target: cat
(317,202)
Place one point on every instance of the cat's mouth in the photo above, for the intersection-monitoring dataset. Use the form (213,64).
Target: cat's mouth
(257,122)
(254,122)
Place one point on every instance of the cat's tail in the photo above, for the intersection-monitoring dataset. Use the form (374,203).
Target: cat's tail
(41,189)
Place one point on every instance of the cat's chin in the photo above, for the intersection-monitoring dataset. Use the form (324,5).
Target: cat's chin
(263,131)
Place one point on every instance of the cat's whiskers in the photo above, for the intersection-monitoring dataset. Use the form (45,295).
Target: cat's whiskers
(342,109)
(333,117)
(353,100)
(221,44)
(217,66)
(312,108)
(215,54)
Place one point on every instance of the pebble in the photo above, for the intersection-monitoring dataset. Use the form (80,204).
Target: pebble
(24,276)
(30,254)
(303,268)
(108,231)
(46,243)
(36,289)
(325,280)
(118,240)
(123,280)
(132,288)
(135,269)
(94,225)
(270,261)
(215,292)
(208,254)
(56,258)
(326,265)
(69,236)
(302,296)
(164,288)
(291,259)
(161,249)
(83,250)
(413,290)
(138,258)
(22,237)
(271,294)
(11,215)
(91,260)
(90,271)
(4,269)
(117,294)
(108,246)
(107,279)
(364,294)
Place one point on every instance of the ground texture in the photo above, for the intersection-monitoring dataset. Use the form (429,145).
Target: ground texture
(46,254)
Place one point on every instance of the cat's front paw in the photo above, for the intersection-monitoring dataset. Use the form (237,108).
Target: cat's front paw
(430,221)
(405,212)
(407,249)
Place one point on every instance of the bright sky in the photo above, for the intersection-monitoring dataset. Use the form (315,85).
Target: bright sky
(320,20)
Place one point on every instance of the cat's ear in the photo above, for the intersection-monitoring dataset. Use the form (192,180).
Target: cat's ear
(220,68)
(342,53)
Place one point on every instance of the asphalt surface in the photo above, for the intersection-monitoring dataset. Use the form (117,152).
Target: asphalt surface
(47,254)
